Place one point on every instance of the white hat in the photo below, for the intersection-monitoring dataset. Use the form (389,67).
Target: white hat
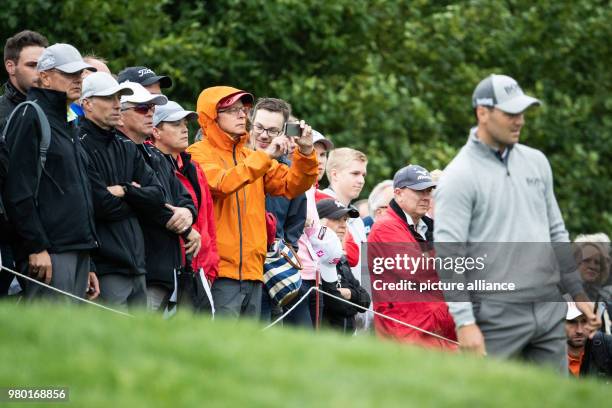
(172,112)
(572,311)
(328,248)
(103,84)
(142,95)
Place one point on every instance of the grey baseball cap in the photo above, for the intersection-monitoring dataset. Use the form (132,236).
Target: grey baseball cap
(413,177)
(63,57)
(503,93)
(171,112)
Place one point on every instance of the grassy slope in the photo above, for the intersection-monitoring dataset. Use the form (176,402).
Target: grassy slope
(113,361)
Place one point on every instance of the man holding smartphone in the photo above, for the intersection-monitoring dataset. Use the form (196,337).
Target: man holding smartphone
(270,120)
(239,179)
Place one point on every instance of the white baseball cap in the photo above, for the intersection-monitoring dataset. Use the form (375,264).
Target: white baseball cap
(503,93)
(572,311)
(328,248)
(103,84)
(142,95)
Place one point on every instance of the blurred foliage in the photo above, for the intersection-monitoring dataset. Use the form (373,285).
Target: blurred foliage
(393,79)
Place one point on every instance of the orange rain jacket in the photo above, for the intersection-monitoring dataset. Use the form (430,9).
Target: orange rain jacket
(239,178)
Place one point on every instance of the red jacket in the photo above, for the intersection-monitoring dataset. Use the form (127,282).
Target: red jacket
(193,178)
(392,227)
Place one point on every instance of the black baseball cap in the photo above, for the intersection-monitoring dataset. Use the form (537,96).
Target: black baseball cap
(144,76)
(334,209)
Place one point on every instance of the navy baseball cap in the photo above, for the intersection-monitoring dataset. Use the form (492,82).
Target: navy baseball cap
(413,177)
(144,76)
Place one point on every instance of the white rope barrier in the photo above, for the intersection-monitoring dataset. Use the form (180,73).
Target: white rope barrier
(362,308)
(290,310)
(283,316)
(89,302)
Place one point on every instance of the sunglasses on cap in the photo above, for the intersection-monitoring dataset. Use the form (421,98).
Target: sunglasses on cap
(142,108)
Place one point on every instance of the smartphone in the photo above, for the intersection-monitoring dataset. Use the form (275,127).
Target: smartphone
(292,129)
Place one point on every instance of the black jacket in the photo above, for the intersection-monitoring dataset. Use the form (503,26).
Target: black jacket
(8,101)
(62,220)
(290,214)
(114,160)
(336,313)
(597,360)
(163,247)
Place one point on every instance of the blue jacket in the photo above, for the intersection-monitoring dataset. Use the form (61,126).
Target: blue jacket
(290,214)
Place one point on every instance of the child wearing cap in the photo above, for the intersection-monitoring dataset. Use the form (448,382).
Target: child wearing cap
(337,314)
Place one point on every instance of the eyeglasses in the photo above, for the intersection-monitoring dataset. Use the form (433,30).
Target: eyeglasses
(142,109)
(272,132)
(235,111)
(72,75)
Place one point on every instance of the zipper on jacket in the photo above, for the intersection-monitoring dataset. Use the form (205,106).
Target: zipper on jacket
(239,219)
(87,196)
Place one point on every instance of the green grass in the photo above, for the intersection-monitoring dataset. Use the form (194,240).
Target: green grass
(112,361)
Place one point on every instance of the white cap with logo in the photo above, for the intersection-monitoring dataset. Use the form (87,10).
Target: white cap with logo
(328,248)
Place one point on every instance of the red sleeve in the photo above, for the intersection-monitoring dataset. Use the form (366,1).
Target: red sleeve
(351,249)
(320,195)
(213,255)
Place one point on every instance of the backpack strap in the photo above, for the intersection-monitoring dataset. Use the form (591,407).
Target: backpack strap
(43,143)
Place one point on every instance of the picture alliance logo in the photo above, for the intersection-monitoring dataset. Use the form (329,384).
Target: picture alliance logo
(411,264)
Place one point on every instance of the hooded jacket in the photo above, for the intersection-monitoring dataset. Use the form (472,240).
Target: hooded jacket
(61,219)
(239,178)
(433,316)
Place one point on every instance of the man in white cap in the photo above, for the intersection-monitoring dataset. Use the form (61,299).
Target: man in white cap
(586,356)
(497,190)
(162,244)
(124,186)
(52,209)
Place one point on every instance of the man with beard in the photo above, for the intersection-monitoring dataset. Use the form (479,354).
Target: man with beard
(586,356)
